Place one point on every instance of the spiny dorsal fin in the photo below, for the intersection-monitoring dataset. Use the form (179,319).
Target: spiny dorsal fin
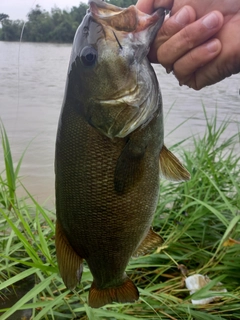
(126,292)
(171,168)
(150,242)
(69,263)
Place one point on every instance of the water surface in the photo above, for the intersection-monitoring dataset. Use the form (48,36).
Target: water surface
(32,81)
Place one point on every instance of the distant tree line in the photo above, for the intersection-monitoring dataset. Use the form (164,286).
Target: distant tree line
(42,26)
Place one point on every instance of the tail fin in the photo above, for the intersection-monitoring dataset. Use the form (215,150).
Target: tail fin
(127,292)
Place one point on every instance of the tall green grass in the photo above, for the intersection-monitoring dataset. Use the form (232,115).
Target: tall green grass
(197,220)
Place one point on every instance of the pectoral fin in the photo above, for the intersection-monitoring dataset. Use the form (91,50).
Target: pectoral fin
(69,263)
(129,167)
(150,242)
(171,168)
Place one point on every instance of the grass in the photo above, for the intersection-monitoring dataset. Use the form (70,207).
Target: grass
(199,221)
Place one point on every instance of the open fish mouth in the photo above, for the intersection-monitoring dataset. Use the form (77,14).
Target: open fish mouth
(129,20)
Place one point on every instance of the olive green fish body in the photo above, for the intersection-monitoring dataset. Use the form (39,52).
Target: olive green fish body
(109,142)
(103,225)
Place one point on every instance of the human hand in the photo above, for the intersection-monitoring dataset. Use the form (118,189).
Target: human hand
(200,52)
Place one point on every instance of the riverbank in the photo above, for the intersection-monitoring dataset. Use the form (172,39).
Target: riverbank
(198,220)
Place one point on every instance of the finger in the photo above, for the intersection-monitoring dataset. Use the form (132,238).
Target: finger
(226,63)
(213,73)
(205,76)
(205,6)
(188,38)
(170,27)
(185,67)
(167,4)
(148,6)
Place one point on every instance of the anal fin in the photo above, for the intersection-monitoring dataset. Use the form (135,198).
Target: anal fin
(126,292)
(69,263)
(171,168)
(150,242)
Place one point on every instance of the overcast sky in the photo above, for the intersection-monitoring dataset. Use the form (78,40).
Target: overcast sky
(18,9)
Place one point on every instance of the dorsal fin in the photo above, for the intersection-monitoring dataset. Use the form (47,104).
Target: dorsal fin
(171,168)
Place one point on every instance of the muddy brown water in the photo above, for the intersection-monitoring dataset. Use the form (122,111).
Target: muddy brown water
(32,81)
(12,294)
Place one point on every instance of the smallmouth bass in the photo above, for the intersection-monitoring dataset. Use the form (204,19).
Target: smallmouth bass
(110,151)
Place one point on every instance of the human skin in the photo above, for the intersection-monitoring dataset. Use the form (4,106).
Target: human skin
(200,41)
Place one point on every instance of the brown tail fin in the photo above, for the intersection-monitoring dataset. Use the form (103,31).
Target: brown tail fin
(127,292)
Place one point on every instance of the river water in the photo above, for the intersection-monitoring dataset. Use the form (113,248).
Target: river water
(32,81)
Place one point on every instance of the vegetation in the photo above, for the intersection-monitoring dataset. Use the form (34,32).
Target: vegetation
(199,221)
(42,26)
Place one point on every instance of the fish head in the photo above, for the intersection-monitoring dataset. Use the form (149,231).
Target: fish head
(109,73)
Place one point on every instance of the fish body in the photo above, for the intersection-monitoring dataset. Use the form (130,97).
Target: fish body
(109,140)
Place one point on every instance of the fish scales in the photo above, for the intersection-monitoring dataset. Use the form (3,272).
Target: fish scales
(94,186)
(110,152)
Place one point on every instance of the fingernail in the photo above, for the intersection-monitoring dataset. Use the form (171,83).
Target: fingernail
(211,20)
(212,45)
(182,17)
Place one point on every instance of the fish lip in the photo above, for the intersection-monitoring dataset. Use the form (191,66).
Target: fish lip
(159,14)
(136,22)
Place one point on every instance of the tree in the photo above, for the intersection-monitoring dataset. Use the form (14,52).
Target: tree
(11,30)
(3,16)
(39,25)
(42,26)
(77,13)
(64,32)
(122,3)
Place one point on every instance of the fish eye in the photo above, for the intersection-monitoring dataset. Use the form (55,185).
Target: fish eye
(88,56)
